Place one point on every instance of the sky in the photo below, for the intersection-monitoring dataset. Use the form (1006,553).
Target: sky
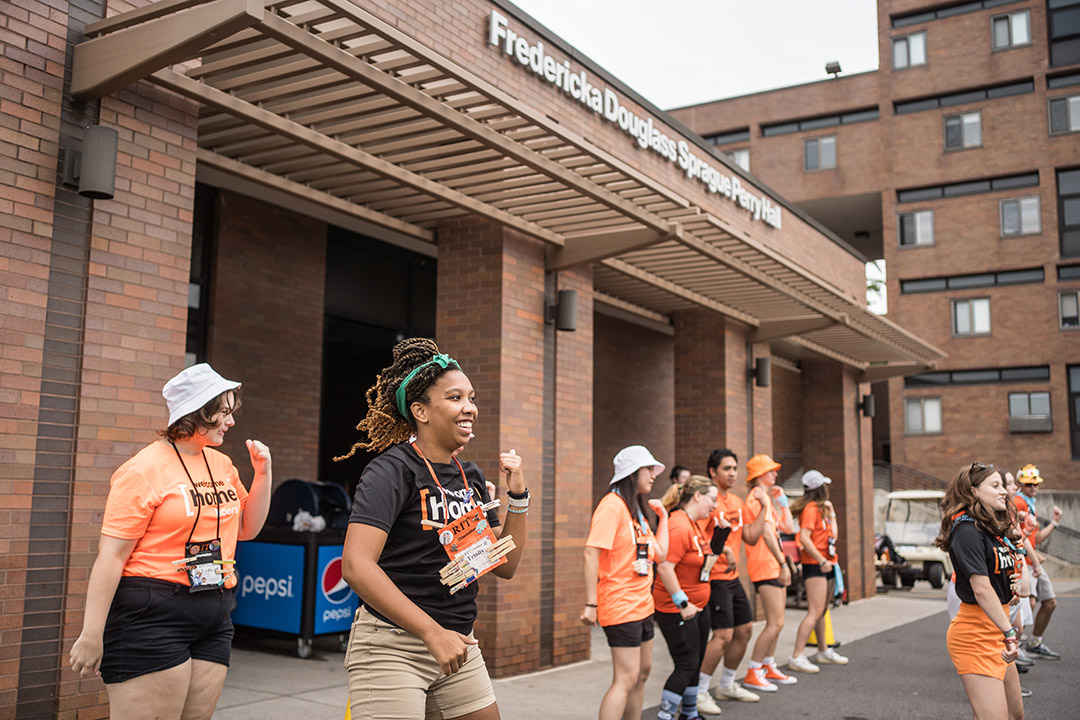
(682,52)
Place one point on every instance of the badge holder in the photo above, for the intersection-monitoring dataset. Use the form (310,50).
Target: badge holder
(707,566)
(472,548)
(205,568)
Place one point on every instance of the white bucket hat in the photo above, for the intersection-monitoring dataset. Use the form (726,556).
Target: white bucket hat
(812,480)
(192,388)
(631,459)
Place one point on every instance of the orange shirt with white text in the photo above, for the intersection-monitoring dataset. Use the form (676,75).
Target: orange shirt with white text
(621,594)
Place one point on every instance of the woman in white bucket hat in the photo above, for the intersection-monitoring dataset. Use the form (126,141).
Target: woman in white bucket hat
(619,555)
(156,627)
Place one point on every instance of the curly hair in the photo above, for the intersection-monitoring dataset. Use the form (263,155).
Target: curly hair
(960,498)
(681,493)
(384,424)
(203,418)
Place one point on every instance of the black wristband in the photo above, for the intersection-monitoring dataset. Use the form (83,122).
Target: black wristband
(590,605)
(517,496)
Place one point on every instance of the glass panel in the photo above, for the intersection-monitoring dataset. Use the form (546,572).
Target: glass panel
(1070,243)
(963,98)
(1001,32)
(811,154)
(972,129)
(920,194)
(1074,113)
(907,229)
(899,53)
(961,318)
(1040,403)
(1010,217)
(780,129)
(1066,22)
(1069,182)
(828,152)
(975,376)
(1021,32)
(1029,215)
(1068,272)
(822,122)
(925,234)
(1018,404)
(1016,277)
(1016,181)
(971,281)
(913,415)
(1020,88)
(932,415)
(1071,214)
(1069,310)
(1074,379)
(916,106)
(1064,52)
(980,316)
(912,19)
(860,116)
(931,378)
(953,136)
(917,49)
(1062,81)
(742,159)
(967,188)
(1059,115)
(194,293)
(914,286)
(1040,372)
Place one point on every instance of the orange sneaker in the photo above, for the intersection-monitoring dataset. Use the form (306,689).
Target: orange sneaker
(755,680)
(773,674)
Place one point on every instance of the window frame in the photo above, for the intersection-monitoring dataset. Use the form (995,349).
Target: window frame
(907,42)
(731,156)
(1020,214)
(971,317)
(945,131)
(1009,18)
(817,140)
(1029,393)
(1067,99)
(900,229)
(922,415)
(1061,311)
(1061,200)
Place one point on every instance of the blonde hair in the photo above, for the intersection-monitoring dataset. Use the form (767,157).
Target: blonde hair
(679,494)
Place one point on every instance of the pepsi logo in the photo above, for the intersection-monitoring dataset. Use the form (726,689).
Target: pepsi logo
(334,587)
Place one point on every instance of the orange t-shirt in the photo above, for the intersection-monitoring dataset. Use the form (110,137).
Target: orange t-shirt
(759,559)
(151,500)
(731,507)
(621,594)
(1021,504)
(821,529)
(687,547)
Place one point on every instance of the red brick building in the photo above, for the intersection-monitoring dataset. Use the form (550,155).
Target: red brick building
(298,185)
(957,163)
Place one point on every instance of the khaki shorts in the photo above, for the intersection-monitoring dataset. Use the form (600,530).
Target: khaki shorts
(392,676)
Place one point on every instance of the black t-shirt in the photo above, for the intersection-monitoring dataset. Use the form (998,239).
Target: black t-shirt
(975,552)
(395,493)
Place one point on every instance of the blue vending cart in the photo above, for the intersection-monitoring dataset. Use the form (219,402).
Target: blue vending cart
(290,583)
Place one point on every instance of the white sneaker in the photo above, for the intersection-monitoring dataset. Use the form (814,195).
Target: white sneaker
(734,692)
(829,657)
(705,703)
(801,664)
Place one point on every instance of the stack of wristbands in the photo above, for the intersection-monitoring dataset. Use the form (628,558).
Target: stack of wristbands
(518,505)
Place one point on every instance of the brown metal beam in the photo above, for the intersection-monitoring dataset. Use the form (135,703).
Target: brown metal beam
(677,290)
(772,329)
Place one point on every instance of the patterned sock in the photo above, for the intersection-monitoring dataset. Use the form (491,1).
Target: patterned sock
(669,706)
(689,702)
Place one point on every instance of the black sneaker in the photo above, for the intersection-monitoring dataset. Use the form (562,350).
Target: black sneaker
(1041,652)
(1022,669)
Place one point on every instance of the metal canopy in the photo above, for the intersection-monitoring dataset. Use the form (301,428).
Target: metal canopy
(323,100)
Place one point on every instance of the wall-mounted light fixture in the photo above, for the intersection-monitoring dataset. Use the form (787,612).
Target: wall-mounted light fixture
(868,406)
(563,312)
(761,370)
(833,68)
(93,170)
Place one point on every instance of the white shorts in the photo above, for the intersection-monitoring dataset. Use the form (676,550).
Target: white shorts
(1021,610)
(1043,589)
(952,600)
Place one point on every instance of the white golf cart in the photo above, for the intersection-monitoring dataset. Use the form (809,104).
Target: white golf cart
(912,521)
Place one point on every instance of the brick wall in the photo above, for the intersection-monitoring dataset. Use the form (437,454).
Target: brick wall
(267,291)
(787,418)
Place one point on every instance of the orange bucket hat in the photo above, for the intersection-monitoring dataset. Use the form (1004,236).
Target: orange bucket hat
(759,465)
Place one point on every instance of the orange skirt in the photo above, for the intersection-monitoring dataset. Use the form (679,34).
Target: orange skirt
(975,643)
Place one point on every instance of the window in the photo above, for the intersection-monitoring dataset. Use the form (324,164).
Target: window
(1074,409)
(820,153)
(917,228)
(740,157)
(909,51)
(1064,114)
(1068,310)
(731,136)
(989,92)
(963,131)
(1068,185)
(1031,373)
(964,282)
(922,415)
(1030,412)
(1020,216)
(818,122)
(1011,30)
(1064,21)
(968,187)
(944,11)
(971,317)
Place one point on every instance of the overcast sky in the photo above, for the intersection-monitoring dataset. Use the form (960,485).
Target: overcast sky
(682,52)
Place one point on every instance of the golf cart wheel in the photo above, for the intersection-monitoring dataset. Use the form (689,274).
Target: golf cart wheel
(907,581)
(935,574)
(888,577)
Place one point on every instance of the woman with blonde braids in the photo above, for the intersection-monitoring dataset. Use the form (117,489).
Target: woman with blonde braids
(977,532)
(682,595)
(411,653)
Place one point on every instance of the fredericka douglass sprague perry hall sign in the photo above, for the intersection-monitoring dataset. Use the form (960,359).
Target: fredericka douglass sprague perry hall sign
(604,102)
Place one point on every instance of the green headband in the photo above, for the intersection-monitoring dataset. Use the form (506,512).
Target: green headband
(442,360)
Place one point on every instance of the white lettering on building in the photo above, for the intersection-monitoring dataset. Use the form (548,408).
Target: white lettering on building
(646,133)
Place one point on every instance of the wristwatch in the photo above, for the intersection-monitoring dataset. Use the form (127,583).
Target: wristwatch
(682,605)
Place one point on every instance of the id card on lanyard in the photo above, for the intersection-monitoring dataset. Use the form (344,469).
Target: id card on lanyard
(641,564)
(206,570)
(467,539)
(704,551)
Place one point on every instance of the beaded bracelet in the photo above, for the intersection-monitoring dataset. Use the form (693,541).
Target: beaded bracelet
(518,511)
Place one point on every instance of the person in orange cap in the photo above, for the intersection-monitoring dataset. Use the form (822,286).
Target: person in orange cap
(1030,479)
(769,572)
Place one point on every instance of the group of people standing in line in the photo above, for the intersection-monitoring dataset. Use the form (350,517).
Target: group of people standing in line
(681,573)
(424,528)
(989,528)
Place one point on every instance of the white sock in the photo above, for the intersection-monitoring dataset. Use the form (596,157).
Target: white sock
(770,660)
(727,677)
(1036,640)
(703,682)
(755,665)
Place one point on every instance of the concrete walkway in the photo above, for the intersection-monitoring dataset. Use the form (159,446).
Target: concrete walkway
(267,681)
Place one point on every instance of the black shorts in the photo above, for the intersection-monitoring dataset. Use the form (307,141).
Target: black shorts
(630,634)
(812,570)
(728,605)
(771,581)
(156,625)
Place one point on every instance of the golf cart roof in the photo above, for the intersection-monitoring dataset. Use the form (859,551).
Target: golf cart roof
(916,495)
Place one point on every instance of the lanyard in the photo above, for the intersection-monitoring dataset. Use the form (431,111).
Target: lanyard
(198,502)
(699,537)
(468,490)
